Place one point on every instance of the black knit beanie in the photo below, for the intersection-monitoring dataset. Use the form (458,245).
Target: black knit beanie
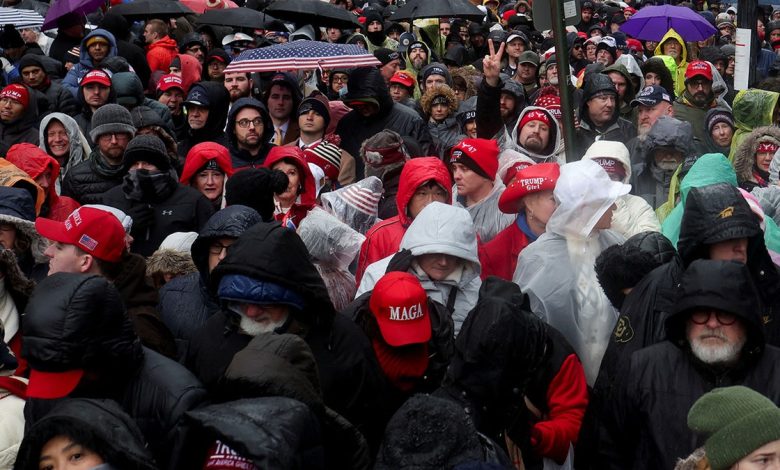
(255,188)
(147,148)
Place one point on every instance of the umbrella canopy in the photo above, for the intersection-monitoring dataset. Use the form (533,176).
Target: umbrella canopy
(313,12)
(302,55)
(60,8)
(236,18)
(415,9)
(20,18)
(199,6)
(142,9)
(652,22)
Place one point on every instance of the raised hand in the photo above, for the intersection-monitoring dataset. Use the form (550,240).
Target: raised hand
(491,64)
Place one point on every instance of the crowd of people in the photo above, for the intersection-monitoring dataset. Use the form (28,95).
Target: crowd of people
(389,267)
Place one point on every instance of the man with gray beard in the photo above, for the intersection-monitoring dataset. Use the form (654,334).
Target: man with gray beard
(714,339)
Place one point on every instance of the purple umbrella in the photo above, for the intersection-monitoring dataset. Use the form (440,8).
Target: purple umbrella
(60,8)
(652,22)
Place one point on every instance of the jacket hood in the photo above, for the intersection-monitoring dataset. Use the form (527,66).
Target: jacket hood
(219,101)
(745,156)
(669,132)
(270,252)
(77,321)
(248,102)
(583,194)
(456,55)
(611,149)
(229,222)
(672,35)
(414,173)
(294,155)
(367,82)
(201,154)
(78,151)
(666,68)
(34,161)
(428,57)
(622,70)
(128,88)
(103,421)
(191,71)
(752,108)
(723,285)
(441,90)
(715,213)
(595,83)
(553,145)
(442,228)
(11,175)
(84,58)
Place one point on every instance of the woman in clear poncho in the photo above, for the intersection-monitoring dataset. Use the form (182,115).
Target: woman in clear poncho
(557,270)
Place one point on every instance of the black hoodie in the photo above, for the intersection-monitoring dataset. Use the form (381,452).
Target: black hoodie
(219,101)
(354,128)
(240,157)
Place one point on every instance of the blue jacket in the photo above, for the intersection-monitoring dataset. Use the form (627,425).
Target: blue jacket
(77,72)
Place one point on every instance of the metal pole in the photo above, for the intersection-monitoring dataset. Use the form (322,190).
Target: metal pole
(564,82)
(746,18)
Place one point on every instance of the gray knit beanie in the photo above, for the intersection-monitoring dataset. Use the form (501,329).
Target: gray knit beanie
(111,118)
(736,421)
(147,148)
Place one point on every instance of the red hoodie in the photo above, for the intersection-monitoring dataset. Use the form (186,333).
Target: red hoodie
(306,199)
(34,161)
(160,54)
(384,238)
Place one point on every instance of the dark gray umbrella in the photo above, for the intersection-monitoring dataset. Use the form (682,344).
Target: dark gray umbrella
(313,12)
(143,9)
(236,18)
(415,9)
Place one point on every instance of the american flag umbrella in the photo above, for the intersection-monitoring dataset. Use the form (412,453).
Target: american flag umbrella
(20,18)
(302,55)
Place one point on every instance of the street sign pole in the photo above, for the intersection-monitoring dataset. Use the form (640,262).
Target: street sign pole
(561,9)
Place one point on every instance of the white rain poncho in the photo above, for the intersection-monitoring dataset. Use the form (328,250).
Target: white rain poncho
(488,219)
(333,246)
(557,270)
(357,204)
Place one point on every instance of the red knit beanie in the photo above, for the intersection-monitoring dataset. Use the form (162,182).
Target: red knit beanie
(478,155)
(16,92)
(535,115)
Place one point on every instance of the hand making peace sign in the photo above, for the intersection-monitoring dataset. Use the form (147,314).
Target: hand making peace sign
(491,64)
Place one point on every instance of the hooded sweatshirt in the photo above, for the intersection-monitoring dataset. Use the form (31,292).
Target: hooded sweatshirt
(79,148)
(213,130)
(682,65)
(160,53)
(77,72)
(557,270)
(439,229)
(242,158)
(554,152)
(384,238)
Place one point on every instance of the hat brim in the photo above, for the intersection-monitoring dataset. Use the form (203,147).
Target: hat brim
(52,230)
(51,385)
(509,202)
(409,332)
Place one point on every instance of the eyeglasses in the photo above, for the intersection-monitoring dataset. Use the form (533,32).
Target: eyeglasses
(244,123)
(217,248)
(341,79)
(115,135)
(701,317)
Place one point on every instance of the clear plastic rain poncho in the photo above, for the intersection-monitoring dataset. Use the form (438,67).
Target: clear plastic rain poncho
(557,270)
(333,246)
(357,204)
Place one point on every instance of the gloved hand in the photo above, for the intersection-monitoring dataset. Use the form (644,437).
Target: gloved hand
(401,261)
(143,218)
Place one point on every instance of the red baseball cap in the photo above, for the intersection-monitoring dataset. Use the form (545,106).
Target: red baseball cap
(400,306)
(96,76)
(532,179)
(95,231)
(50,385)
(403,78)
(698,68)
(170,81)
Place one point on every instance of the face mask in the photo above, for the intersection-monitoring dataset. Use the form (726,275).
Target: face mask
(147,186)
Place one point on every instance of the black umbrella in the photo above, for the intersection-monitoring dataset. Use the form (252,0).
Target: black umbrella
(236,18)
(415,9)
(313,12)
(143,9)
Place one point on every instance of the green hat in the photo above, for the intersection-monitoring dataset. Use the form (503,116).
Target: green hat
(737,421)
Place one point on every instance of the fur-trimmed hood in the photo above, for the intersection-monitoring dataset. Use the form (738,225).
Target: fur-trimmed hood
(745,156)
(171,262)
(441,90)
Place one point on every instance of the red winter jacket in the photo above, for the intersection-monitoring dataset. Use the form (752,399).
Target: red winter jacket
(307,199)
(384,238)
(498,257)
(160,54)
(34,161)
(200,154)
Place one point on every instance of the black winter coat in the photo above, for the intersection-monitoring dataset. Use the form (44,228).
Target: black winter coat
(350,377)
(214,129)
(185,210)
(99,337)
(87,181)
(61,100)
(186,302)
(354,128)
(24,129)
(617,129)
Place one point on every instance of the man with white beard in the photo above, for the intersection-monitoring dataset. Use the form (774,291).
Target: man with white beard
(714,339)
